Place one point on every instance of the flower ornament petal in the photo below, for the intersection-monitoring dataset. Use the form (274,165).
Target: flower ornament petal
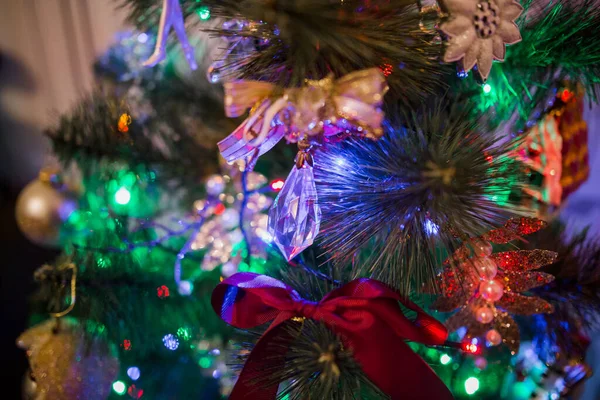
(458,46)
(511,9)
(514,229)
(524,260)
(524,281)
(457,26)
(471,55)
(498,48)
(478,30)
(462,7)
(485,58)
(509,32)
(515,303)
(486,287)
(457,289)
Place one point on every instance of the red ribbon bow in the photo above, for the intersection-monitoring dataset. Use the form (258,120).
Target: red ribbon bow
(366,315)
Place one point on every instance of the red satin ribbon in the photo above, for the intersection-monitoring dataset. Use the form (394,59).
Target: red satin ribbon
(365,313)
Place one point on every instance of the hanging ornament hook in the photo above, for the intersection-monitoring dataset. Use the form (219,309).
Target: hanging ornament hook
(171,16)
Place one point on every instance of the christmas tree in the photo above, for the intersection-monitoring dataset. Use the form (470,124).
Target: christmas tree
(325,199)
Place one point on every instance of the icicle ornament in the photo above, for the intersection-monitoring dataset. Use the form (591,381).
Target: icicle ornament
(295,217)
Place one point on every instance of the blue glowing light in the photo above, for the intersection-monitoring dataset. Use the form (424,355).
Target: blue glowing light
(340,162)
(431,228)
(133,373)
(142,38)
(171,342)
(185,288)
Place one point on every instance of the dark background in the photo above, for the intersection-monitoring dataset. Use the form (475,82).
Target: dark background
(19,260)
(19,257)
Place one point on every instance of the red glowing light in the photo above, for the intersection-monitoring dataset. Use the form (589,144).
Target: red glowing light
(566,95)
(471,348)
(162,291)
(134,392)
(387,69)
(277,184)
(126,344)
(220,209)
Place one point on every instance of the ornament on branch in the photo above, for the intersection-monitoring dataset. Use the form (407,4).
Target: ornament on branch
(359,311)
(478,31)
(223,233)
(487,287)
(171,17)
(322,112)
(295,217)
(66,364)
(42,208)
(29,387)
(555,150)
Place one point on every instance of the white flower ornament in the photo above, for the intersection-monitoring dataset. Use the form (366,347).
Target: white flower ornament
(478,31)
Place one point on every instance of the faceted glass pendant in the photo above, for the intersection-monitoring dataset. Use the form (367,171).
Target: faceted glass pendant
(295,217)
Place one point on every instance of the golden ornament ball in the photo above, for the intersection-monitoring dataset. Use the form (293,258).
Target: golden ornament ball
(67,364)
(29,388)
(42,208)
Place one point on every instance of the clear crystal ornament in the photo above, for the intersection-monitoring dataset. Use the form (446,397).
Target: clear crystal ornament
(295,217)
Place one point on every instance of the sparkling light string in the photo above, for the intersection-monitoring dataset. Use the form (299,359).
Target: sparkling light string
(186,249)
(192,228)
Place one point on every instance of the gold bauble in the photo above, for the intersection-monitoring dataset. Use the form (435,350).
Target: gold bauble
(66,363)
(41,210)
(29,388)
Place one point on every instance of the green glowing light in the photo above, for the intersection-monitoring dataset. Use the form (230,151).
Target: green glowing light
(445,359)
(122,196)
(471,385)
(243,267)
(487,88)
(205,362)
(103,262)
(119,387)
(184,333)
(204,13)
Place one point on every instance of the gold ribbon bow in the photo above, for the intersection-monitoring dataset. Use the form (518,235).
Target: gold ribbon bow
(326,107)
